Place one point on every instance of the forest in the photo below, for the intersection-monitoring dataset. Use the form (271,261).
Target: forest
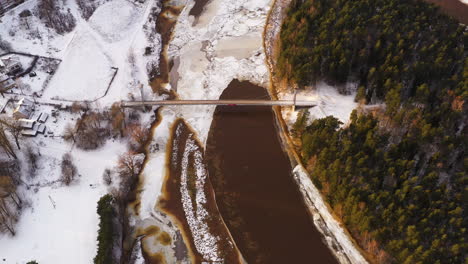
(396,176)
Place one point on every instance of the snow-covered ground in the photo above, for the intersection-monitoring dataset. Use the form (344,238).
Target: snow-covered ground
(60,225)
(155,168)
(329,102)
(91,53)
(85,71)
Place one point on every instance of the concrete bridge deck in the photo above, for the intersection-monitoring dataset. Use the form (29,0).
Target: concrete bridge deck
(297,103)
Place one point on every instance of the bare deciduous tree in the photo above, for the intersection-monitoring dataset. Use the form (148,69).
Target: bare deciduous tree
(118,119)
(68,169)
(139,136)
(10,204)
(14,127)
(107,176)
(5,142)
(69,132)
(53,15)
(129,166)
(31,158)
(77,107)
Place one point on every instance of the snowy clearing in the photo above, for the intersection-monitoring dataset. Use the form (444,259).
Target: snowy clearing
(84,73)
(61,225)
(329,102)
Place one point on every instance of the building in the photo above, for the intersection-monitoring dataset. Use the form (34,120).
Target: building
(40,128)
(24,109)
(29,132)
(26,123)
(31,127)
(43,118)
(6,83)
(12,65)
(6,5)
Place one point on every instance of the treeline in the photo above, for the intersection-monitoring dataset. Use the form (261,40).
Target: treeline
(402,203)
(106,233)
(382,45)
(397,176)
(54,15)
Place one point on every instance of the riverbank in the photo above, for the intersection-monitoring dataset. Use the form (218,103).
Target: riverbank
(200,65)
(337,237)
(454,8)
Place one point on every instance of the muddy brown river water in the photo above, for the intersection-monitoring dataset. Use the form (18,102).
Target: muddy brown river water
(254,188)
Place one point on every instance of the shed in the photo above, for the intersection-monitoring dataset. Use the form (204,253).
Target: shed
(43,117)
(35,116)
(40,128)
(12,65)
(29,132)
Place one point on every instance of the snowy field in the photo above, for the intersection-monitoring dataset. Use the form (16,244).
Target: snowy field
(85,72)
(61,224)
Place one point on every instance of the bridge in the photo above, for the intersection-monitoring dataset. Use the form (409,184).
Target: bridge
(295,103)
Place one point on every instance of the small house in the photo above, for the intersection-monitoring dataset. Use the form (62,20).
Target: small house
(6,83)
(24,109)
(26,123)
(12,65)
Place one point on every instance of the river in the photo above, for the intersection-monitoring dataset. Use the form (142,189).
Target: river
(254,189)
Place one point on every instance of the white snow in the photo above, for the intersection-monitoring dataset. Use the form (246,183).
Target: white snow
(61,224)
(85,71)
(114,20)
(68,232)
(155,168)
(329,103)
(197,218)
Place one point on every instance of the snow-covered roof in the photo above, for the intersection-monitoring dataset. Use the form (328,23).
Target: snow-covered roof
(26,123)
(2,64)
(35,116)
(43,117)
(40,128)
(29,132)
